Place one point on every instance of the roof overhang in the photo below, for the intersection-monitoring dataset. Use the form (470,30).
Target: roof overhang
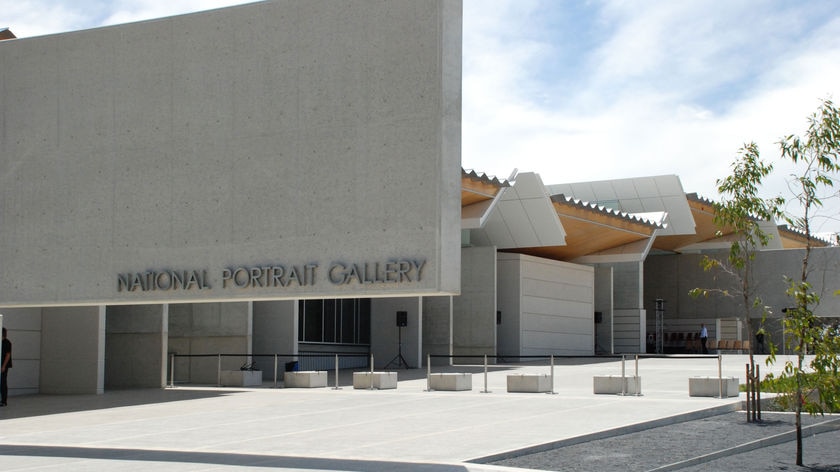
(479,195)
(523,217)
(598,234)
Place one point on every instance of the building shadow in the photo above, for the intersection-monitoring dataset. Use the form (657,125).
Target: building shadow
(221,459)
(23,406)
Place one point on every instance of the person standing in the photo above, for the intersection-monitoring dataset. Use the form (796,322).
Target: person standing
(6,355)
(704,336)
(759,337)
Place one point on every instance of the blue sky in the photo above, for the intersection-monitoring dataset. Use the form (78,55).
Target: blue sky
(593,90)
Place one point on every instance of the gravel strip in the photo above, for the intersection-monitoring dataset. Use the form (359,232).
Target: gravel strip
(657,447)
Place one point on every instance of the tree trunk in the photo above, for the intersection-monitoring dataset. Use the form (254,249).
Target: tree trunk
(799,400)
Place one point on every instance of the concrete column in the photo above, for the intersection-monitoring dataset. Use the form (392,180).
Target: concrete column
(630,317)
(474,310)
(604,303)
(73,350)
(437,328)
(385,333)
(24,327)
(209,329)
(136,346)
(275,332)
(418,334)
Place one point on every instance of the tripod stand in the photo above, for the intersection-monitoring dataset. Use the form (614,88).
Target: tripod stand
(399,360)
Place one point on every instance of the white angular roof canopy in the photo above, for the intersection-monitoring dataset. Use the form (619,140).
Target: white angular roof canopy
(524,217)
(638,196)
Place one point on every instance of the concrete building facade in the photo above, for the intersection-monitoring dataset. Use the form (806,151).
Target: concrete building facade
(285,178)
(170,185)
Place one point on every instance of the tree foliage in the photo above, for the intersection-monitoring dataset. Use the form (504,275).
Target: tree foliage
(809,386)
(738,216)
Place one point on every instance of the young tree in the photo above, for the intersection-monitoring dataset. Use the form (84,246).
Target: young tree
(738,216)
(812,388)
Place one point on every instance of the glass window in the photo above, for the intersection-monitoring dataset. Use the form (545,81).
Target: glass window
(363,330)
(330,324)
(348,327)
(313,326)
(345,321)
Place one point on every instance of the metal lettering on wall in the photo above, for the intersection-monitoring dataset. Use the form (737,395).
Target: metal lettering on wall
(395,271)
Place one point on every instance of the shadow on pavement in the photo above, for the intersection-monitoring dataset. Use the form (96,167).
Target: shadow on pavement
(39,405)
(225,459)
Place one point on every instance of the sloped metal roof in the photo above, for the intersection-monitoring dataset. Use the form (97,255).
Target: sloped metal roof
(643,218)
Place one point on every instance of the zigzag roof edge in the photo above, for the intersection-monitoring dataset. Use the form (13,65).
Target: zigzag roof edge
(781,227)
(694,196)
(481,176)
(605,210)
(800,232)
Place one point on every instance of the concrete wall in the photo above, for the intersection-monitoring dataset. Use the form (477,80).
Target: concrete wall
(274,136)
(136,346)
(509,302)
(630,317)
(385,334)
(24,332)
(604,305)
(474,311)
(275,332)
(209,328)
(671,277)
(556,306)
(437,328)
(73,350)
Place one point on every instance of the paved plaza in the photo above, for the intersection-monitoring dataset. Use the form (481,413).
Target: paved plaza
(191,428)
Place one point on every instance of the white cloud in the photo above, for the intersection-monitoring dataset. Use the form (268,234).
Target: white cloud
(126,11)
(27,18)
(673,88)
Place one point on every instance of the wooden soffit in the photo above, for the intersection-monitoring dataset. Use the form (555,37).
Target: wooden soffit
(705,229)
(591,229)
(793,239)
(477,187)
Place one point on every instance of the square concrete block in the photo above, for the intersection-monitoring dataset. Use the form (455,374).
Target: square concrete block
(380,380)
(305,379)
(612,384)
(528,383)
(711,386)
(241,378)
(450,381)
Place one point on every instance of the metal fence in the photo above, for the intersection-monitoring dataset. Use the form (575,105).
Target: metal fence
(206,369)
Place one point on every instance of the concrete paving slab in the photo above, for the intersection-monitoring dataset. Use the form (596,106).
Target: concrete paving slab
(410,428)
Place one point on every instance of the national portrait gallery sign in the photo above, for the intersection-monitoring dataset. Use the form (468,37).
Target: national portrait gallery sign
(274,276)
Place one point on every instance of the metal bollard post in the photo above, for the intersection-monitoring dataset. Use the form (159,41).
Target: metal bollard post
(336,374)
(552,392)
(219,371)
(428,372)
(485,375)
(275,371)
(371,372)
(720,374)
(172,372)
(623,378)
(638,382)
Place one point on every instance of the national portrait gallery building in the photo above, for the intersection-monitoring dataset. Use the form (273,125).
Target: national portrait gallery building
(284,177)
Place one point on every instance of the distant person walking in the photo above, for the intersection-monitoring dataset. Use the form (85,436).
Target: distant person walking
(704,336)
(759,337)
(6,355)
